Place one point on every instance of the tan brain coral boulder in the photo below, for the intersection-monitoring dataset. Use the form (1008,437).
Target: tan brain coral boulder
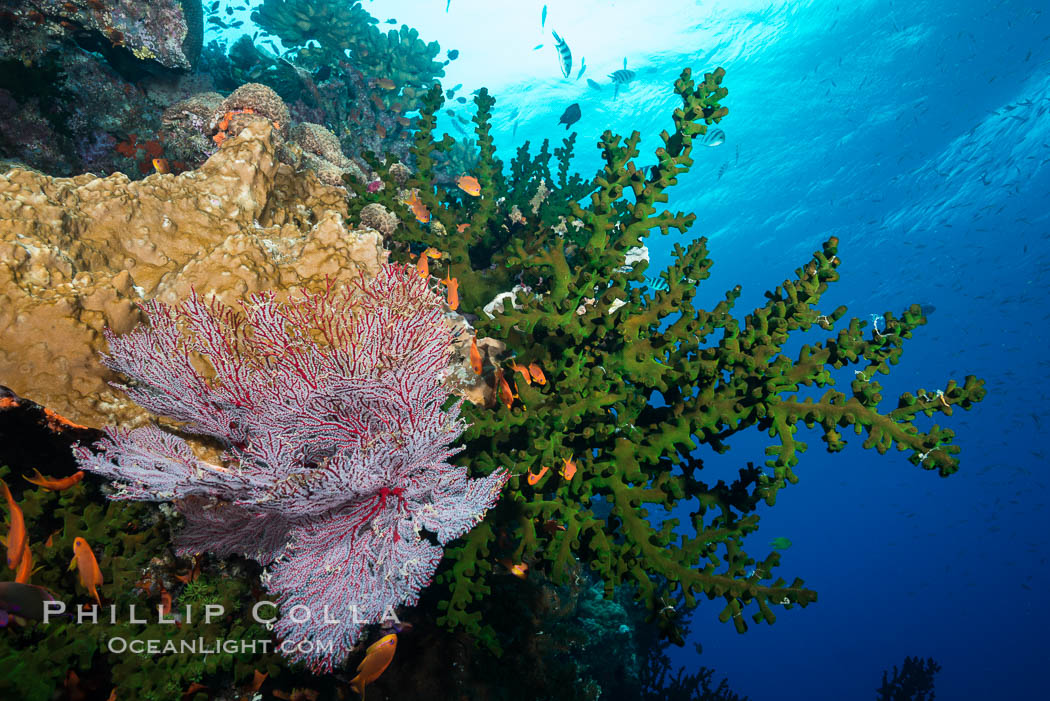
(76,254)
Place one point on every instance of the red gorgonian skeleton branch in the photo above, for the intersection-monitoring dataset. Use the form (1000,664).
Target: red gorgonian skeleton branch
(336,445)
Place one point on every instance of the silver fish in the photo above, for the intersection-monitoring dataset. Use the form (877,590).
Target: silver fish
(564,54)
(583,67)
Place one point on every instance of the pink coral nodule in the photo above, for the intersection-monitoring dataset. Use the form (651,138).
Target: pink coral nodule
(337,445)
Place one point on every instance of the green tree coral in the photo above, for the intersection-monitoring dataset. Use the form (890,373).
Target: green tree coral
(607,345)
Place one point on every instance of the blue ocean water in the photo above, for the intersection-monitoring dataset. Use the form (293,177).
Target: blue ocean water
(917,133)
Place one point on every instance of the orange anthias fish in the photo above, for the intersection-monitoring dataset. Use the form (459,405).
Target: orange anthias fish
(569,470)
(469,184)
(533,478)
(453,291)
(519,569)
(17,540)
(55,485)
(505,392)
(461,228)
(25,566)
(418,208)
(87,566)
(386,84)
(161,164)
(523,370)
(423,267)
(475,356)
(537,374)
(377,659)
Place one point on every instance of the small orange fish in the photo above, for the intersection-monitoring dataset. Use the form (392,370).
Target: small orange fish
(17,539)
(432,252)
(469,184)
(87,566)
(461,228)
(475,356)
(534,478)
(25,566)
(192,575)
(537,374)
(381,130)
(423,267)
(569,470)
(505,392)
(386,84)
(219,138)
(55,485)
(523,370)
(377,659)
(418,208)
(161,164)
(519,569)
(453,292)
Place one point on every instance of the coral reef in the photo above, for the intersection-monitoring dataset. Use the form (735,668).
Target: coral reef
(169,32)
(77,254)
(592,452)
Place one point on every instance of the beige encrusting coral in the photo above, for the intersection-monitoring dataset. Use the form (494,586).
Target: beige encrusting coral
(76,254)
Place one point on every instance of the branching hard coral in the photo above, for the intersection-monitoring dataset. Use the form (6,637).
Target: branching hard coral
(606,345)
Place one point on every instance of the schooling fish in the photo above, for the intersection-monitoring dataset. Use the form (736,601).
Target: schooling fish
(620,78)
(56,485)
(453,291)
(564,54)
(593,85)
(657,283)
(87,567)
(537,374)
(532,479)
(446,6)
(715,137)
(16,536)
(780,543)
(469,184)
(537,47)
(583,67)
(377,659)
(543,17)
(475,356)
(452,54)
(570,116)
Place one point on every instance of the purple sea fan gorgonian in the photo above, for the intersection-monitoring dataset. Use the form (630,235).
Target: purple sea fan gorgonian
(335,446)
